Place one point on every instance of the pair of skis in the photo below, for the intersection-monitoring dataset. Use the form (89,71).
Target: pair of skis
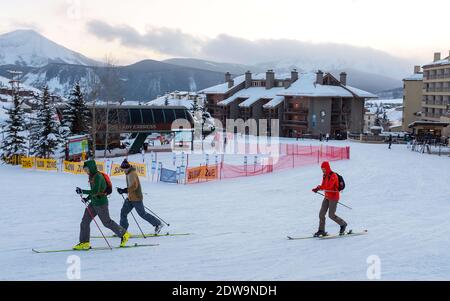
(95,248)
(347,234)
(147,235)
(136,245)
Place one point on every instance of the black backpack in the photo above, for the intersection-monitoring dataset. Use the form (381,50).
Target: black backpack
(341,182)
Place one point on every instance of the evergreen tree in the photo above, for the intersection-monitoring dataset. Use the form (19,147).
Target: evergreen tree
(14,143)
(45,133)
(77,114)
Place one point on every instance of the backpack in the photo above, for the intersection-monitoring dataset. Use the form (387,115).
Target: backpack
(341,182)
(108,189)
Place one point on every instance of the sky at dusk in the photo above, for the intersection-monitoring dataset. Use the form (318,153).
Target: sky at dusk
(136,29)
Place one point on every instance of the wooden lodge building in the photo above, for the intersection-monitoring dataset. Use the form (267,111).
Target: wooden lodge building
(304,103)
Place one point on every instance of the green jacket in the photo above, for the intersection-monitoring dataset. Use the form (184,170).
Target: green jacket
(98,185)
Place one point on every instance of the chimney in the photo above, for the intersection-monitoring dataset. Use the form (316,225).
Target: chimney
(229,80)
(270,79)
(437,56)
(248,79)
(416,69)
(319,77)
(294,75)
(227,77)
(343,78)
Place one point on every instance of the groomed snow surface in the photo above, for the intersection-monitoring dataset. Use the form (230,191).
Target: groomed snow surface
(239,226)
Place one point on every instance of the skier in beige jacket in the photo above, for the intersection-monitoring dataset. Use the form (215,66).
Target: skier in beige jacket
(135,199)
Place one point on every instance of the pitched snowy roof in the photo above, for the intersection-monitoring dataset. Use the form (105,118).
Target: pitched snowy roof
(252,95)
(276,101)
(445,61)
(415,76)
(4,82)
(361,93)
(305,86)
(174,99)
(223,88)
(257,93)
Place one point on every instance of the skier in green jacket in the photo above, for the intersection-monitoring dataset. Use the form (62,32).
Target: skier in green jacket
(98,206)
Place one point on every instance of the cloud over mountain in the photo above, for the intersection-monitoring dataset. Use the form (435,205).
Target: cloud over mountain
(277,53)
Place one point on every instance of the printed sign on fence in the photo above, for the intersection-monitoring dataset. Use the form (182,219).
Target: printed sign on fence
(27,162)
(197,174)
(46,164)
(168,176)
(141,169)
(73,167)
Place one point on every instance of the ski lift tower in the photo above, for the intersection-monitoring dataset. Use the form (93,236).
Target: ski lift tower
(15,81)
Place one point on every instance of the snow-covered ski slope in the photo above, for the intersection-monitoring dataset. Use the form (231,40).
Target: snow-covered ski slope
(240,226)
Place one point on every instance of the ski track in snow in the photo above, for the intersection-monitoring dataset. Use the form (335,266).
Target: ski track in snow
(239,226)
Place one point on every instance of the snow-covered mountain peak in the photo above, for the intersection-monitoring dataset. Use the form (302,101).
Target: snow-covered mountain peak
(29,48)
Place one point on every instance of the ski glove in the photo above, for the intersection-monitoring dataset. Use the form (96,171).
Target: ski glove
(315,190)
(84,200)
(78,190)
(122,191)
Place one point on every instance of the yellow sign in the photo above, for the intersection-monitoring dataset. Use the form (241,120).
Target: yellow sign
(27,162)
(196,174)
(46,164)
(73,167)
(141,169)
(77,167)
(116,171)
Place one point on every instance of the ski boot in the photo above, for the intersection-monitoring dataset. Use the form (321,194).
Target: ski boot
(125,239)
(158,228)
(342,230)
(82,246)
(320,233)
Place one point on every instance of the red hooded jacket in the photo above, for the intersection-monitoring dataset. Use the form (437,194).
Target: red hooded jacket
(330,183)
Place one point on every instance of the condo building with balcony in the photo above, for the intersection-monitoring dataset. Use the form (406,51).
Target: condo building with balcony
(304,103)
(435,98)
(436,88)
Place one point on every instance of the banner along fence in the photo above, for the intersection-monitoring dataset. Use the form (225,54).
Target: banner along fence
(109,167)
(291,156)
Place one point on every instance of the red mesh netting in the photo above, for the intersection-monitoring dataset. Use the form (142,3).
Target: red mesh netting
(291,156)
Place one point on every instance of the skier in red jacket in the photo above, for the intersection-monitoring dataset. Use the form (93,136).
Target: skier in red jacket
(330,184)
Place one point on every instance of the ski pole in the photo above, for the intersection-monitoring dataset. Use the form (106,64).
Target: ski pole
(124,200)
(93,218)
(157,216)
(338,202)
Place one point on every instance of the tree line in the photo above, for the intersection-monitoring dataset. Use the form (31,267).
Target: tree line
(44,132)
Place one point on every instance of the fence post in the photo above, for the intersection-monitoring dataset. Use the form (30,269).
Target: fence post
(293,160)
(245,165)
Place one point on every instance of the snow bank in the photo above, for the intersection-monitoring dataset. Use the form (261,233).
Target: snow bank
(240,225)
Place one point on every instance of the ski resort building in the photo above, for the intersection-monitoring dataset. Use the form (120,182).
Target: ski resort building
(141,121)
(412,98)
(304,103)
(432,90)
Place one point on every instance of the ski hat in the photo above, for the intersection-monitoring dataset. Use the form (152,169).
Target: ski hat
(125,164)
(92,166)
(326,166)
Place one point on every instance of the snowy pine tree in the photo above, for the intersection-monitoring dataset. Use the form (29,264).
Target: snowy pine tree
(14,143)
(45,133)
(77,114)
